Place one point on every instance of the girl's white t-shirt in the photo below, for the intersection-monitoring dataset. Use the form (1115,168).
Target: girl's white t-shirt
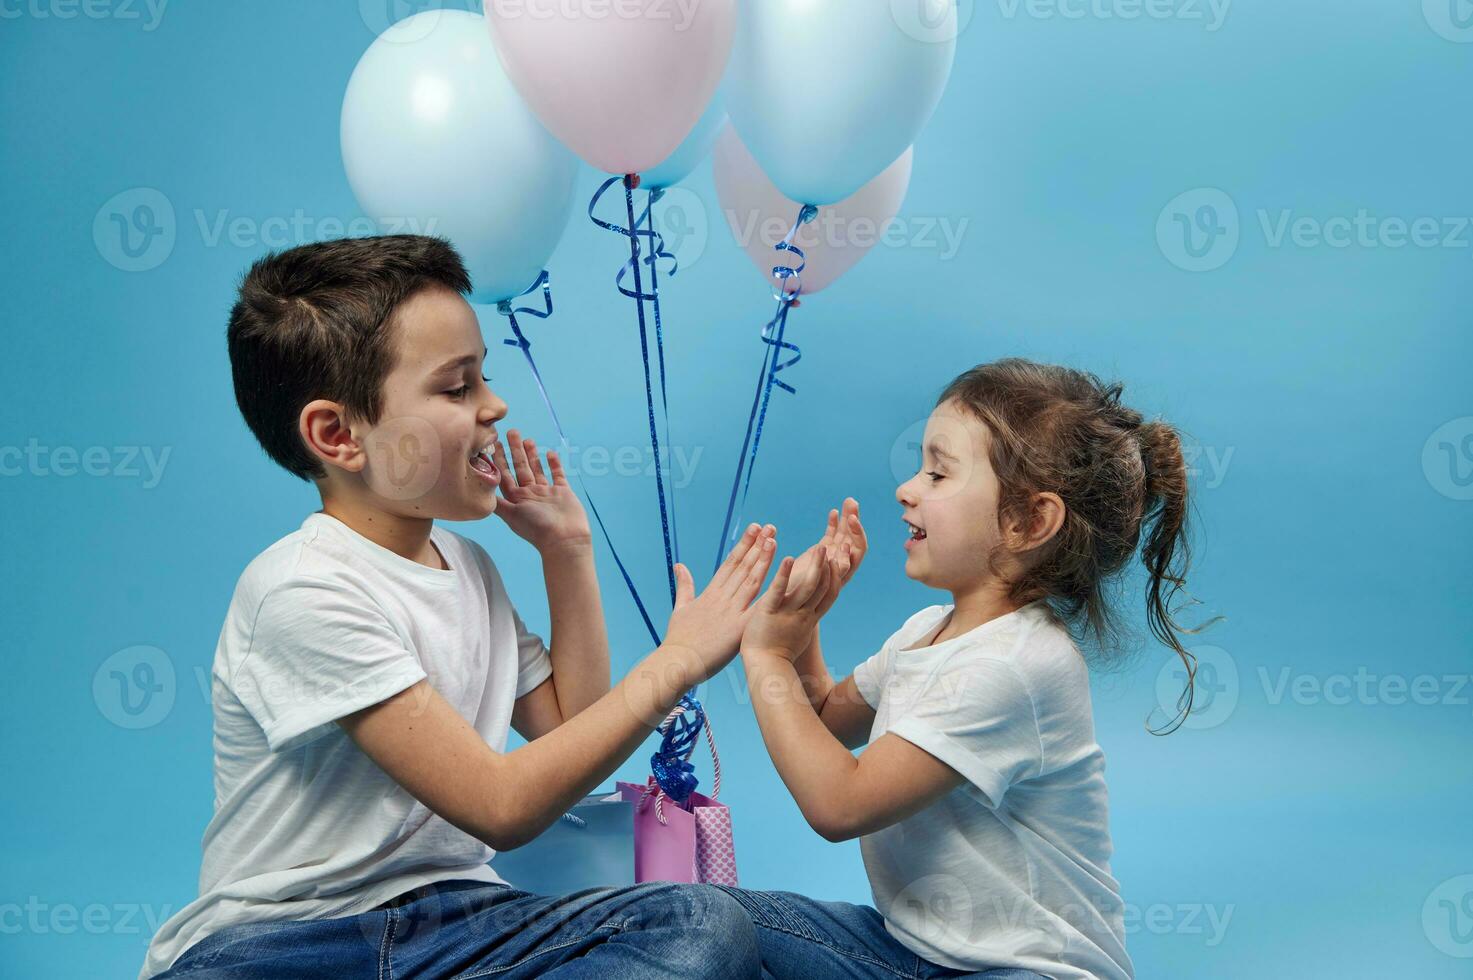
(323,623)
(1011,869)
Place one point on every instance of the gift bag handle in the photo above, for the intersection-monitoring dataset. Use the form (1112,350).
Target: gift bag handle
(652,786)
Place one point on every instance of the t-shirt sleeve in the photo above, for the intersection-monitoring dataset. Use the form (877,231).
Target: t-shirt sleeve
(318,652)
(867,678)
(977,716)
(534,664)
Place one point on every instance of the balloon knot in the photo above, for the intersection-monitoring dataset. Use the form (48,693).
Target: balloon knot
(631,181)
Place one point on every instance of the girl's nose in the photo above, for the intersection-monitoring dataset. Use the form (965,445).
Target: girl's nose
(903,496)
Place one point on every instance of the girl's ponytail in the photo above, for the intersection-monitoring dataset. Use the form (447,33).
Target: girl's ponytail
(1166,549)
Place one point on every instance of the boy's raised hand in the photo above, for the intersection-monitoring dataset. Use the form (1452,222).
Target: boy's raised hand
(783,621)
(541,509)
(711,624)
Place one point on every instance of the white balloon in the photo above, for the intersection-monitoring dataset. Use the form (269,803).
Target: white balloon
(436,141)
(759,215)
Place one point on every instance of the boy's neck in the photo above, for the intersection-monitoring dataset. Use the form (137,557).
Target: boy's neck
(408,537)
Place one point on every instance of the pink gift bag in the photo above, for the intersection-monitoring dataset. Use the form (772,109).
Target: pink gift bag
(692,843)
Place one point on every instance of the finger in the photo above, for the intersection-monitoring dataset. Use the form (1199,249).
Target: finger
(821,590)
(735,582)
(777,592)
(518,454)
(685,586)
(833,527)
(836,584)
(799,593)
(735,556)
(509,488)
(555,463)
(752,584)
(536,463)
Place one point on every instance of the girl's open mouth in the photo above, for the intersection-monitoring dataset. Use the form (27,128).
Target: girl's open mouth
(917,535)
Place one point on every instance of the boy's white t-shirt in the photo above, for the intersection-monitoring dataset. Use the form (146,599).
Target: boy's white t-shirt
(325,622)
(1012,868)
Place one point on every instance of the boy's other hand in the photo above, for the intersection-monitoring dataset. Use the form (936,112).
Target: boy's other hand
(710,625)
(541,509)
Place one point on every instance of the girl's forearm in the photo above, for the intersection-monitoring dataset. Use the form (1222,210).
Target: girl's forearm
(813,764)
(814,673)
(579,640)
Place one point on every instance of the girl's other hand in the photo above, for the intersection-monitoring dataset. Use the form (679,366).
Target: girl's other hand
(783,621)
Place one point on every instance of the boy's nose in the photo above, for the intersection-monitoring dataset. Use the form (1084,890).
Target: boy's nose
(495,409)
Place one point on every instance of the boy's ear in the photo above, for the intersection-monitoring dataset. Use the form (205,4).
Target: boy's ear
(324,428)
(1044,517)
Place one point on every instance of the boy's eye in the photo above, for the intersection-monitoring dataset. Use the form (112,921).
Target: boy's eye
(460,392)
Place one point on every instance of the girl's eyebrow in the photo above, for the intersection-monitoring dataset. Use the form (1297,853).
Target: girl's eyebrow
(934,448)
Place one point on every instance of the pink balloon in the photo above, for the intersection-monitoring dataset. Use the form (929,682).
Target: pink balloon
(620,82)
(759,216)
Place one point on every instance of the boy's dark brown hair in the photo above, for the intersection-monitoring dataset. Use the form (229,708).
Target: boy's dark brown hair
(1122,480)
(316,321)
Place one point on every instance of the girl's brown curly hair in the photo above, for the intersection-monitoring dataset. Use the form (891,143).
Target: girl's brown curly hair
(1122,480)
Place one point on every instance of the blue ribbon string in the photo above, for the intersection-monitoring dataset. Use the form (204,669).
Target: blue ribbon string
(774,343)
(508,310)
(670,765)
(633,232)
(657,252)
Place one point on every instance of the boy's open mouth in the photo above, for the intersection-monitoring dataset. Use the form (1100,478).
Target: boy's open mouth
(482,463)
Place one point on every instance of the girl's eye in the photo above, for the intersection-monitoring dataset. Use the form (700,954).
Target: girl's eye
(936,477)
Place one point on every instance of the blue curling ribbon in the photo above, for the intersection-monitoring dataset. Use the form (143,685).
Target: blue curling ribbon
(774,343)
(510,311)
(633,232)
(670,765)
(657,252)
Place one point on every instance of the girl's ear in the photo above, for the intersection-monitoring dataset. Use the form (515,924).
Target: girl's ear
(1045,517)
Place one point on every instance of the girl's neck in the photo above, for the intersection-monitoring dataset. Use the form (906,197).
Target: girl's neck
(974,606)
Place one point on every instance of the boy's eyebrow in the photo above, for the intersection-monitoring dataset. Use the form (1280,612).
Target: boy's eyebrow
(459,362)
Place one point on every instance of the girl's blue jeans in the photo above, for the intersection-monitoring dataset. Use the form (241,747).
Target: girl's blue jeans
(460,930)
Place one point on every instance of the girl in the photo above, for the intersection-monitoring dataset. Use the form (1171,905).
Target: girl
(980,801)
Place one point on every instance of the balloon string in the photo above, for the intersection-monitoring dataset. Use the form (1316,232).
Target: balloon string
(633,233)
(508,310)
(773,337)
(657,252)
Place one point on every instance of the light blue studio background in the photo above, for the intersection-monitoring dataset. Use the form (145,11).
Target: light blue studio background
(1313,822)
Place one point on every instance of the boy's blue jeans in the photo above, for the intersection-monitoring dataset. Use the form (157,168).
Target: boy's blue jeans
(802,938)
(457,930)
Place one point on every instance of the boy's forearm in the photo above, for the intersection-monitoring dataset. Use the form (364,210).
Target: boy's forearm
(813,764)
(547,776)
(579,640)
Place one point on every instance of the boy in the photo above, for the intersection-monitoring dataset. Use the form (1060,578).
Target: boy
(371,663)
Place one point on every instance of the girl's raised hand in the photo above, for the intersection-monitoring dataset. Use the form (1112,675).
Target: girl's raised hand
(783,621)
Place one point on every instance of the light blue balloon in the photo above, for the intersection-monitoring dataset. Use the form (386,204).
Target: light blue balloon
(695,148)
(828,93)
(436,141)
